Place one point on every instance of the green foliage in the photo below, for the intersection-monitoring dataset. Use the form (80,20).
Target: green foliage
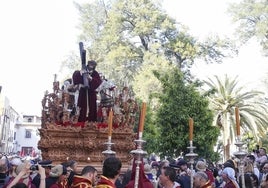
(179,102)
(132,39)
(251,17)
(215,49)
(71,63)
(264,141)
(146,84)
(249,140)
(227,95)
(119,33)
(151,132)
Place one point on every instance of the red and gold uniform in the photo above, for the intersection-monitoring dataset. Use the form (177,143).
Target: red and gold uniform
(105,183)
(81,182)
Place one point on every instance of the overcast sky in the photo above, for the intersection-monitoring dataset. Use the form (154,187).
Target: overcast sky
(36,35)
(209,17)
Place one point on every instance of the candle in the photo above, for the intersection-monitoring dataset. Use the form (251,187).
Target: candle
(142,117)
(237,121)
(110,123)
(191,129)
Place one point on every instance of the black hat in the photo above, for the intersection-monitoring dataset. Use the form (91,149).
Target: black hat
(229,163)
(178,164)
(154,164)
(182,162)
(174,165)
(45,163)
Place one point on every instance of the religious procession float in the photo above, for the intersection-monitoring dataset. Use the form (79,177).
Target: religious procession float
(63,137)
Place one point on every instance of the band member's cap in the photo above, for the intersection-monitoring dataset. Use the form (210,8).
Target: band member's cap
(45,163)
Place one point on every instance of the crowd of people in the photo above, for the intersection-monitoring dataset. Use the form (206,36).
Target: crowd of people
(18,173)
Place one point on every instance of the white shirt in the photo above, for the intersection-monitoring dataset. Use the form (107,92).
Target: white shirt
(176,184)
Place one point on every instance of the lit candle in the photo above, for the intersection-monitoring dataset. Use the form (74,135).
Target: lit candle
(110,123)
(237,121)
(191,129)
(142,117)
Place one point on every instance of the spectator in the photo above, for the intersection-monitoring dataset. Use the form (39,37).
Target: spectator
(256,170)
(19,185)
(261,157)
(147,171)
(264,172)
(248,181)
(57,177)
(201,180)
(47,165)
(72,169)
(184,174)
(14,163)
(3,172)
(228,176)
(167,178)
(22,175)
(202,167)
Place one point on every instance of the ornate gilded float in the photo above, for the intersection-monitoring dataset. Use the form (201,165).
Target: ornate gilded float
(63,138)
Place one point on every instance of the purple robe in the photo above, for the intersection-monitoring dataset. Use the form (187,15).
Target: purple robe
(143,181)
(87,95)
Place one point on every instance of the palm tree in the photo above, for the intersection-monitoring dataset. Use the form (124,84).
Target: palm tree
(225,95)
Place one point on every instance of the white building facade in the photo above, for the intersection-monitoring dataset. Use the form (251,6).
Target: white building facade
(8,120)
(26,135)
(18,133)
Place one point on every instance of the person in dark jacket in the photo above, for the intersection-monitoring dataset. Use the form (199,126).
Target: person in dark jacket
(183,177)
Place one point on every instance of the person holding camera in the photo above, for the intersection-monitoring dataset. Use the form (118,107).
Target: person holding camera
(47,165)
(57,177)
(23,172)
(261,156)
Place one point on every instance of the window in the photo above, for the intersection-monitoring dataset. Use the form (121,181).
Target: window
(28,134)
(26,151)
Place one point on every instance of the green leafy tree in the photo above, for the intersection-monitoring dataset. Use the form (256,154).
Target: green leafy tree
(151,133)
(251,17)
(179,102)
(224,95)
(120,33)
(130,39)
